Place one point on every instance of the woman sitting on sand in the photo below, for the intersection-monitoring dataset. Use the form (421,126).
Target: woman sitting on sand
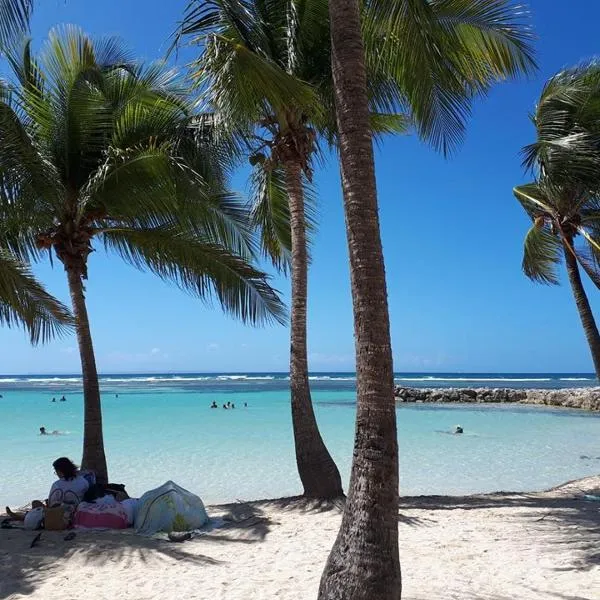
(68,489)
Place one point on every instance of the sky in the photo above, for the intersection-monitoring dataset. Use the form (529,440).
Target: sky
(452,235)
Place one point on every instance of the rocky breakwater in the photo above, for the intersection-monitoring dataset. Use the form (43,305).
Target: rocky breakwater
(582,398)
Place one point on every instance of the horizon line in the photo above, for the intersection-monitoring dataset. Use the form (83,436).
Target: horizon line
(251,372)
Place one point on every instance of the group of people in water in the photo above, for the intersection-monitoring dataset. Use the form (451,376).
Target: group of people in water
(63,399)
(227,405)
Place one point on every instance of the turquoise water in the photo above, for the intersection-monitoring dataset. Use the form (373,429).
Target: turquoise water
(155,432)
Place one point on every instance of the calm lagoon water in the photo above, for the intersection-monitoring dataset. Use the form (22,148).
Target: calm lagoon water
(161,427)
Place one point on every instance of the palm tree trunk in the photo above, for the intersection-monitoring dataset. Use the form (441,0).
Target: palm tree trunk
(583,306)
(364,562)
(93,443)
(318,472)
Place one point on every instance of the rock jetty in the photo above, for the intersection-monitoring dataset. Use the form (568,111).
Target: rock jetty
(582,398)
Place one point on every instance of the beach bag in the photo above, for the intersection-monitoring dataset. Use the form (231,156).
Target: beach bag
(34,519)
(100,515)
(169,508)
(58,518)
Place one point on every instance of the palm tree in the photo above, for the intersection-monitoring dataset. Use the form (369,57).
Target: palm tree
(364,561)
(564,201)
(256,60)
(99,148)
(266,69)
(23,300)
(440,61)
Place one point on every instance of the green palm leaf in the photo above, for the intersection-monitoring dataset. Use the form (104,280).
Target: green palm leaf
(14,19)
(481,41)
(200,267)
(23,301)
(542,254)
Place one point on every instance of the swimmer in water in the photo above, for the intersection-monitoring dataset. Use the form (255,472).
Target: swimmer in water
(458,430)
(214,405)
(44,432)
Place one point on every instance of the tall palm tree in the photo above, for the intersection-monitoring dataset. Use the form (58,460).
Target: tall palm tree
(266,69)
(364,561)
(99,148)
(440,59)
(257,59)
(564,201)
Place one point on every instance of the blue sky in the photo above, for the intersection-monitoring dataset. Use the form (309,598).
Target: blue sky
(452,236)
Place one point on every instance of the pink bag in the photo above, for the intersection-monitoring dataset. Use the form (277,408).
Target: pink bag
(100,516)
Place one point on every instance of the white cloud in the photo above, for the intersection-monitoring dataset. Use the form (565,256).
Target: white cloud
(155,351)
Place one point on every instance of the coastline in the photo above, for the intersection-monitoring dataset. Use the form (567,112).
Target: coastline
(577,398)
(451,547)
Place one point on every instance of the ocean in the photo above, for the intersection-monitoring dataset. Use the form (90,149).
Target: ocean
(160,427)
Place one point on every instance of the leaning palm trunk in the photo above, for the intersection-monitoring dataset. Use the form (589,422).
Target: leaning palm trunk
(364,562)
(93,442)
(583,306)
(318,472)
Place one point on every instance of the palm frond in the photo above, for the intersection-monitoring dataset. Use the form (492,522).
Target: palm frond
(14,20)
(534,200)
(201,268)
(567,148)
(243,87)
(440,54)
(384,124)
(542,253)
(24,302)
(271,214)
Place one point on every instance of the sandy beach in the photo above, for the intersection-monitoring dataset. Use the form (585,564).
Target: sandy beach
(485,547)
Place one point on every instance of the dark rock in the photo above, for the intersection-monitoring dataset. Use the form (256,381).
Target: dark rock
(581,398)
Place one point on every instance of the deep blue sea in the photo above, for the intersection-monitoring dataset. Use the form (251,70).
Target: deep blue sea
(159,427)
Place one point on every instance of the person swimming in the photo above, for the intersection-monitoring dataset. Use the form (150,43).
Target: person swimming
(53,399)
(63,399)
(458,430)
(43,431)
(214,405)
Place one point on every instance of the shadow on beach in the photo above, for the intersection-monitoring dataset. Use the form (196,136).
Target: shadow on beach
(23,569)
(560,520)
(561,517)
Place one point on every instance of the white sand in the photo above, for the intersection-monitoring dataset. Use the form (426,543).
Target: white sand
(493,547)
